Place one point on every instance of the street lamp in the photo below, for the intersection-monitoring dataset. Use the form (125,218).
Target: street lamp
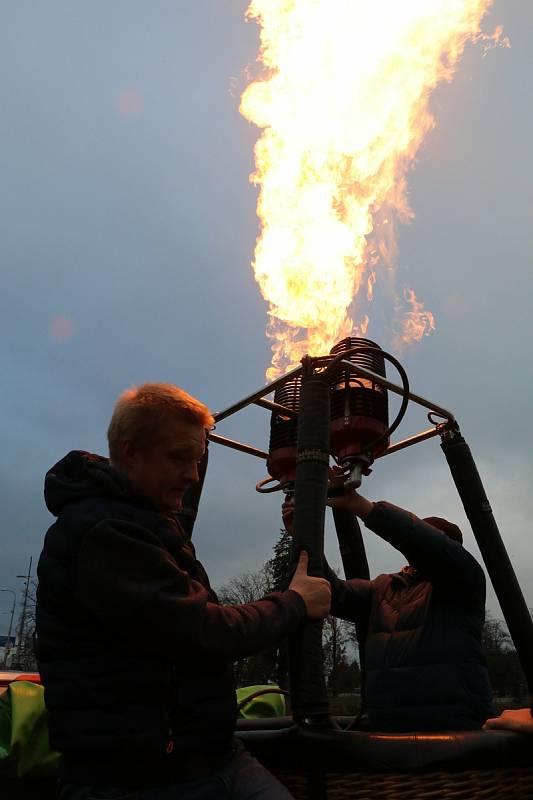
(7,648)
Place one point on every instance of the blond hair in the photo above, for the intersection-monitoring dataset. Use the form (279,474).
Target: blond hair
(141,412)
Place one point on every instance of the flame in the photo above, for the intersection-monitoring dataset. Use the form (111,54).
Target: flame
(415,321)
(343,104)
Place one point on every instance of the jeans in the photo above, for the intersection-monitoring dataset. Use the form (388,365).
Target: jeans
(243,778)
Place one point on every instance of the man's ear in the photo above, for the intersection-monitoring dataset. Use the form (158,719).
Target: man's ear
(129,452)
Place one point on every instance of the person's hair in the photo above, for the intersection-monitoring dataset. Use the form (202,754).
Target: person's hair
(141,413)
(449,528)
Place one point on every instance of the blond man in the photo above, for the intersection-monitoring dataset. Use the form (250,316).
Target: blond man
(134,650)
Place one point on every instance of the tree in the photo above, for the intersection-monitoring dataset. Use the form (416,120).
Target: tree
(335,637)
(345,678)
(24,651)
(279,573)
(495,636)
(247,588)
(506,675)
(278,568)
(341,670)
(270,665)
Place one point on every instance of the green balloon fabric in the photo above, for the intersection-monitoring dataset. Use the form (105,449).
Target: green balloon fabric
(271,703)
(24,747)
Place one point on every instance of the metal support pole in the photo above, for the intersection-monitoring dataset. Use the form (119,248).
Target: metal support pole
(308,689)
(243,448)
(271,406)
(252,398)
(419,437)
(254,451)
(393,387)
(488,538)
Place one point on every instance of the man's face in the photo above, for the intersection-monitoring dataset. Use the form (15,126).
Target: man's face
(163,473)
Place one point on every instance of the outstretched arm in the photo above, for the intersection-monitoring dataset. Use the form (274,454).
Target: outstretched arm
(353,502)
(437,556)
(350,599)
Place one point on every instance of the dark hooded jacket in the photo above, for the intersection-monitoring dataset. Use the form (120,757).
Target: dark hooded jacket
(425,668)
(134,650)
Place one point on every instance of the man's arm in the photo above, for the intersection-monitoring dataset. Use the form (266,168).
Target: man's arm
(131,583)
(437,556)
(353,502)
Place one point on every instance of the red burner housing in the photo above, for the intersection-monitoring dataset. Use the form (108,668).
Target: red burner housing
(359,406)
(281,463)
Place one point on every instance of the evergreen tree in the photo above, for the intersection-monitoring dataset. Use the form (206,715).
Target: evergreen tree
(278,568)
(279,572)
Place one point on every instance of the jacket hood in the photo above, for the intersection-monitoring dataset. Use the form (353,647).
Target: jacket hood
(80,475)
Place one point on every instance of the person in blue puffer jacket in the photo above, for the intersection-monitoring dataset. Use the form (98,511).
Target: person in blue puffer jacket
(425,669)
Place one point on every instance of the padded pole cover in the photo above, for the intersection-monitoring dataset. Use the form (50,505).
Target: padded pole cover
(499,567)
(308,690)
(351,545)
(355,565)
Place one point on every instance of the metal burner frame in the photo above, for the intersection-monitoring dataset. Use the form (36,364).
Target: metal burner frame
(258,398)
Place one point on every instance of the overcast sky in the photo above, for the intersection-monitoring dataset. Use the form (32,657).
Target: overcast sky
(127,227)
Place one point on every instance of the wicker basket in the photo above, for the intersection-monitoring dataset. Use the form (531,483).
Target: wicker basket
(505,784)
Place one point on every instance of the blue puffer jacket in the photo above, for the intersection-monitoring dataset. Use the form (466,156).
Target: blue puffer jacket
(134,650)
(425,669)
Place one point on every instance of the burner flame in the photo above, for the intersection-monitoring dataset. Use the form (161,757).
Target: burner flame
(343,108)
